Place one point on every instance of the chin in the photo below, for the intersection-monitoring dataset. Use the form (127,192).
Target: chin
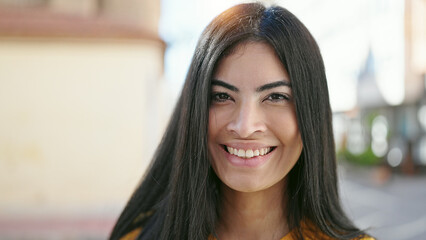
(246,184)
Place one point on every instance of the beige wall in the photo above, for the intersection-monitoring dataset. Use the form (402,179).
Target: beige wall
(79,7)
(141,13)
(78,123)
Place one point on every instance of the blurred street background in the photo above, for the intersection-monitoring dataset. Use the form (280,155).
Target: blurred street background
(87,87)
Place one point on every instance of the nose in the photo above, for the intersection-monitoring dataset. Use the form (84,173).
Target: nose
(246,121)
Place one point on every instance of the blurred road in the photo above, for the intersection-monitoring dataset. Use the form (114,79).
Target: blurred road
(395,209)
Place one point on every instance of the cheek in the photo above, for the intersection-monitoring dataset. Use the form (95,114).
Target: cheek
(217,120)
(285,127)
(213,130)
(212,123)
(284,123)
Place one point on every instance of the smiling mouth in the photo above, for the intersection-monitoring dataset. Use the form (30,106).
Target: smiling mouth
(249,153)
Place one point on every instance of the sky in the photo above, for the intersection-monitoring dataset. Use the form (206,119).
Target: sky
(345,31)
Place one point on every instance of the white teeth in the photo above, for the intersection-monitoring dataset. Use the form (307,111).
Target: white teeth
(256,153)
(230,150)
(241,153)
(249,153)
(235,152)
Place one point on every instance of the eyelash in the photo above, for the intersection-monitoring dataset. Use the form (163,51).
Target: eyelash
(274,97)
(220,97)
(277,97)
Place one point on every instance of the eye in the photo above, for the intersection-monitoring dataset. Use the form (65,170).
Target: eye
(220,97)
(277,97)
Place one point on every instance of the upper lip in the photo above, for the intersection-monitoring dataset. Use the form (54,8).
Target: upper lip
(247,146)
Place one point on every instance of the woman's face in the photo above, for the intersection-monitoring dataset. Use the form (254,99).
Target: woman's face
(253,137)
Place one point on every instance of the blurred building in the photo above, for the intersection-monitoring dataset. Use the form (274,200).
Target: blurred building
(378,130)
(80,108)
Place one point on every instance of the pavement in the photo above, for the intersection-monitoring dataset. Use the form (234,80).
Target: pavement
(389,205)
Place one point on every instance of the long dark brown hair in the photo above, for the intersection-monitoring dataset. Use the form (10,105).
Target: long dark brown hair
(178,197)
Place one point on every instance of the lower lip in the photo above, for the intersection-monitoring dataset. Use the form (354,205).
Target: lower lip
(247,162)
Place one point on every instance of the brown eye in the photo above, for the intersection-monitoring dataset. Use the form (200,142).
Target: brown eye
(277,97)
(220,97)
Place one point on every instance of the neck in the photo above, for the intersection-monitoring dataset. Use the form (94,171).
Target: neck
(253,215)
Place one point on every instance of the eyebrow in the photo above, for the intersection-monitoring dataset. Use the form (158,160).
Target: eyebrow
(225,85)
(273,85)
(259,89)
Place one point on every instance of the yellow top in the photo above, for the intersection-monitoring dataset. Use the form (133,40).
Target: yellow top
(132,235)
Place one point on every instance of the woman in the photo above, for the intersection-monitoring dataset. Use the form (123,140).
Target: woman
(249,151)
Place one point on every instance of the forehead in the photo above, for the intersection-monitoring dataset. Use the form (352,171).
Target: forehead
(251,62)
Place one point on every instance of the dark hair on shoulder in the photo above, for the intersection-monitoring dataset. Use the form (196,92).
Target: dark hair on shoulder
(179,195)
